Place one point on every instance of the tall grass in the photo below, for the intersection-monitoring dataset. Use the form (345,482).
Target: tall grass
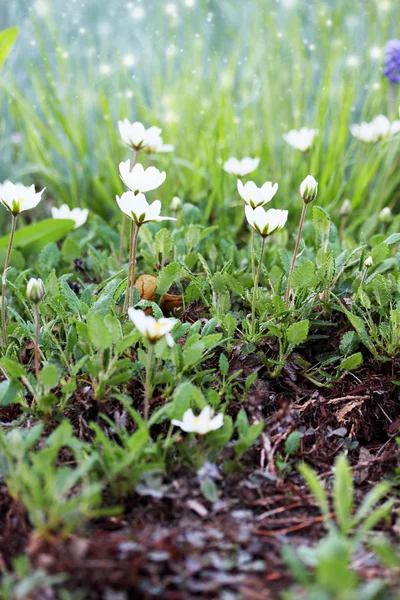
(244,76)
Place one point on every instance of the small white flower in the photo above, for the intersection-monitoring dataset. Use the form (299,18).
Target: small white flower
(241,168)
(301,139)
(308,189)
(136,135)
(159,146)
(368,262)
(136,207)
(255,196)
(17,197)
(395,127)
(266,222)
(346,209)
(139,179)
(201,424)
(176,204)
(378,129)
(35,290)
(79,215)
(150,328)
(385,215)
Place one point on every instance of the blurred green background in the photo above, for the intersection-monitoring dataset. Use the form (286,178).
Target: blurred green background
(221,77)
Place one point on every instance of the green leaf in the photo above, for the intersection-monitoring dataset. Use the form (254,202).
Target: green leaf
(343,492)
(218,283)
(209,490)
(192,352)
(167,277)
(49,257)
(315,487)
(233,284)
(381,289)
(394,238)
(48,376)
(7,39)
(321,220)
(349,342)
(223,365)
(32,238)
(292,443)
(379,253)
(9,390)
(99,335)
(351,362)
(303,276)
(70,250)
(297,332)
(12,367)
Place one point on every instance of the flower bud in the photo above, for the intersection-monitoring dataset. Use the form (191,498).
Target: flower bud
(368,262)
(35,290)
(176,204)
(308,189)
(346,208)
(385,216)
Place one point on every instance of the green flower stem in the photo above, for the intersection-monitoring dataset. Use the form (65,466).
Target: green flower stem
(147,386)
(296,250)
(36,345)
(255,289)
(123,226)
(4,280)
(132,264)
(128,281)
(253,266)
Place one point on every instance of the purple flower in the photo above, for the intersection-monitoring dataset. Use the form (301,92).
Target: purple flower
(391,63)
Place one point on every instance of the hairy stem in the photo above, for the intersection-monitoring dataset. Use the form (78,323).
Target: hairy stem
(255,289)
(4,280)
(253,265)
(36,348)
(134,240)
(148,387)
(123,226)
(296,250)
(128,281)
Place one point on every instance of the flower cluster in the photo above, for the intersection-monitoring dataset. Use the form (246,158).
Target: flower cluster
(391,63)
(373,131)
(137,179)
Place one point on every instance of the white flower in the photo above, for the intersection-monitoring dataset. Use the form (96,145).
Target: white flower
(395,127)
(266,222)
(152,329)
(176,204)
(136,135)
(255,196)
(35,290)
(201,424)
(241,168)
(308,189)
(385,215)
(368,262)
(139,179)
(301,139)
(136,207)
(378,129)
(159,146)
(17,197)
(79,215)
